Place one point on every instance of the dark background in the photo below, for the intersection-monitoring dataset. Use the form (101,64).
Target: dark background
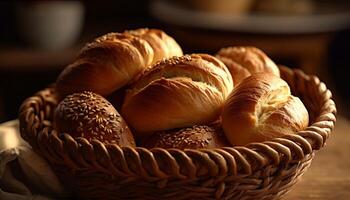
(25,69)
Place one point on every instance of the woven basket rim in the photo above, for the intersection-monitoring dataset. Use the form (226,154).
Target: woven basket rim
(188,163)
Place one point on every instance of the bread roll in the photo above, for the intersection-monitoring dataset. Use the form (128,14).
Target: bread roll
(105,65)
(91,116)
(194,137)
(162,44)
(261,108)
(112,60)
(178,92)
(244,61)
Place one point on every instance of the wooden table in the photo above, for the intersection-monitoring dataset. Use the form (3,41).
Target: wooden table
(328,178)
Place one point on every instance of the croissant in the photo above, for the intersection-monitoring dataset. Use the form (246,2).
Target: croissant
(177,92)
(112,60)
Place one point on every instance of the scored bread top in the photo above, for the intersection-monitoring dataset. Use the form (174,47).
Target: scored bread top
(260,108)
(162,44)
(111,61)
(200,68)
(178,92)
(243,61)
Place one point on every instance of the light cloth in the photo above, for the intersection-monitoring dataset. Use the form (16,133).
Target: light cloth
(24,175)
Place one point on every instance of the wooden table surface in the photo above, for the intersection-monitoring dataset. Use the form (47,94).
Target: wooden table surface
(328,178)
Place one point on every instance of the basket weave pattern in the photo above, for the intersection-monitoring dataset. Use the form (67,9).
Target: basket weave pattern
(257,171)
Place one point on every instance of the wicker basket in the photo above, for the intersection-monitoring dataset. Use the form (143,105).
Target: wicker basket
(257,171)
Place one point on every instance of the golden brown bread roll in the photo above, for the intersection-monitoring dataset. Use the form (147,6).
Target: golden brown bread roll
(162,44)
(91,116)
(261,108)
(194,137)
(178,92)
(244,61)
(112,60)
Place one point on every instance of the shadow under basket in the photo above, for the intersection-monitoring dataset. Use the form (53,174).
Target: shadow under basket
(266,170)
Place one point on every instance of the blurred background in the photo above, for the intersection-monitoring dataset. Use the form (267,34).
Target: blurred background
(39,38)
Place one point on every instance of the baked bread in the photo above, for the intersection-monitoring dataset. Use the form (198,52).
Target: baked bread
(90,116)
(112,60)
(194,137)
(162,44)
(177,92)
(244,61)
(261,108)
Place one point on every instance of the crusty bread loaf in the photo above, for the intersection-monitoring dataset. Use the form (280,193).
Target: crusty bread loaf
(162,44)
(91,116)
(177,92)
(244,61)
(194,137)
(261,108)
(112,60)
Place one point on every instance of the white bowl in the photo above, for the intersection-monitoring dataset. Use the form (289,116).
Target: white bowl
(50,25)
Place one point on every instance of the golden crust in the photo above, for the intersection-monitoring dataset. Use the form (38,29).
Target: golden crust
(244,61)
(162,44)
(105,65)
(166,104)
(261,108)
(178,92)
(113,60)
(197,67)
(91,116)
